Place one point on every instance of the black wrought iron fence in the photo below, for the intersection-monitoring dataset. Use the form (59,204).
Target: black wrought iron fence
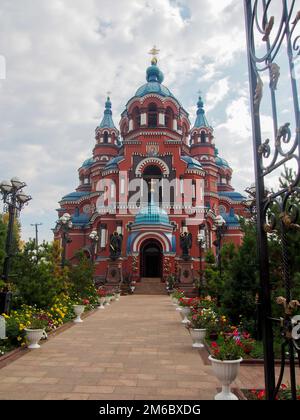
(272,30)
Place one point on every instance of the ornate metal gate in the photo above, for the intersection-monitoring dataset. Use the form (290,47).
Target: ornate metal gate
(271,26)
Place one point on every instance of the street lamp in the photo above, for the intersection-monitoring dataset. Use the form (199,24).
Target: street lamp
(201,244)
(14,198)
(220,228)
(65,224)
(94,239)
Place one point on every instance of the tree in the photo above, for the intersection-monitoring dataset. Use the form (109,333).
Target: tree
(213,280)
(81,277)
(241,279)
(37,277)
(16,239)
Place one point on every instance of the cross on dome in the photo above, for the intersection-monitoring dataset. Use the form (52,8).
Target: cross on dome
(154,52)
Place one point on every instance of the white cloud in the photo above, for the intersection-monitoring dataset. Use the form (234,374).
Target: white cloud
(217,93)
(63,56)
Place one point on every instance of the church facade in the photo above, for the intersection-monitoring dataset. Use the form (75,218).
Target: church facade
(153,190)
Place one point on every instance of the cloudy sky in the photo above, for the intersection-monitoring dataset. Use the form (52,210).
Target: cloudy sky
(62,56)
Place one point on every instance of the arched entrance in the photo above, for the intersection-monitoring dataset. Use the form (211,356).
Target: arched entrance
(151,259)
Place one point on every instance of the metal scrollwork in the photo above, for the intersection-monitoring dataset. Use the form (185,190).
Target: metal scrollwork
(274,75)
(290,217)
(259,91)
(272,35)
(265,149)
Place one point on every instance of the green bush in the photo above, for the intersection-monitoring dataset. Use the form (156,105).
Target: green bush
(81,279)
(36,276)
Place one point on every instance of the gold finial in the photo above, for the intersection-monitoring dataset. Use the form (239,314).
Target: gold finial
(154,52)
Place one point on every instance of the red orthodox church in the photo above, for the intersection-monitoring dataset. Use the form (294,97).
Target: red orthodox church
(153,191)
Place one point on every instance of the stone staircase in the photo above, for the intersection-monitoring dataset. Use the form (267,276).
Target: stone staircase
(150,286)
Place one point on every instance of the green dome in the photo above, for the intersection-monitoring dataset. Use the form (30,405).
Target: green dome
(220,161)
(152,215)
(154,77)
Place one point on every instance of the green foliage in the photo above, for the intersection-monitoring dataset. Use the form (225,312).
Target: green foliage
(81,278)
(37,277)
(37,324)
(226,349)
(213,281)
(241,279)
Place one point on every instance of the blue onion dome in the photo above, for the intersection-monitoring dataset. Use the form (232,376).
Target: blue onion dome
(220,161)
(88,162)
(154,77)
(152,215)
(154,74)
(114,163)
(192,163)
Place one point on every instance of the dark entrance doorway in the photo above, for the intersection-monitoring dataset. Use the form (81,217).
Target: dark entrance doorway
(151,260)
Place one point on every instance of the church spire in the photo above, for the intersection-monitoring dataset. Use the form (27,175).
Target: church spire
(106,132)
(201,120)
(107,121)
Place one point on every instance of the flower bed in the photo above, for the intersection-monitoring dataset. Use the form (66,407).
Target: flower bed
(60,313)
(260,394)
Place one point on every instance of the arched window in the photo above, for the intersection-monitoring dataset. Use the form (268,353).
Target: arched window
(105,137)
(124,129)
(184,133)
(153,176)
(203,137)
(152,116)
(113,138)
(136,116)
(169,118)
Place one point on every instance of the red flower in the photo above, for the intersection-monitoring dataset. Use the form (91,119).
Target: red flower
(283,386)
(85,302)
(261,395)
(214,345)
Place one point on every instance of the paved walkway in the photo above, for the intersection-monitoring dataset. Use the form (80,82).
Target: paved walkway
(136,348)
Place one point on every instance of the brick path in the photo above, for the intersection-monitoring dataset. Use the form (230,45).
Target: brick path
(135,349)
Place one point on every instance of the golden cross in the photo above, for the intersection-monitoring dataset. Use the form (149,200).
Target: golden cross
(108,93)
(154,51)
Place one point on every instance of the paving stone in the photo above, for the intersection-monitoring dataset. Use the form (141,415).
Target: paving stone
(135,349)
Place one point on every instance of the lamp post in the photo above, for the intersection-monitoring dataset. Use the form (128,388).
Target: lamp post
(94,239)
(15,199)
(65,224)
(201,244)
(220,228)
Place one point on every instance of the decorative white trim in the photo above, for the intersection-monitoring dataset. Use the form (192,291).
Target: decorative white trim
(152,160)
(152,235)
(153,95)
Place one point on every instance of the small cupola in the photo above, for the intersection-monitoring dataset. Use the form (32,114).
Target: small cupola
(202,132)
(106,132)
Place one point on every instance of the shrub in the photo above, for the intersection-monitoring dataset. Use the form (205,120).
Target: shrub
(81,279)
(36,276)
